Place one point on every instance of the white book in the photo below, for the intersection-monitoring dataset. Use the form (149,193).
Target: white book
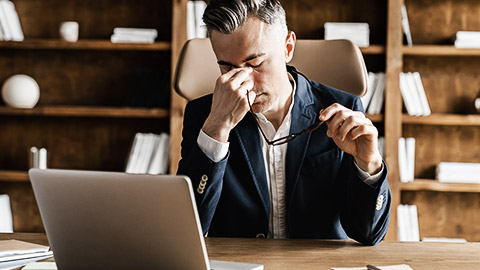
(191,29)
(347,25)
(166,152)
(6,219)
(410,146)
(131,39)
(146,153)
(413,213)
(421,93)
(406,94)
(4,23)
(444,240)
(200,27)
(376,104)
(42,158)
(401,223)
(459,44)
(13,21)
(458,172)
(381,146)
(372,81)
(402,160)
(130,168)
(412,88)
(467,35)
(157,155)
(406,26)
(147,32)
(138,153)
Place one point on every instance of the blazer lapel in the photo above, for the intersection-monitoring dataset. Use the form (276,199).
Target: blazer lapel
(303,116)
(249,140)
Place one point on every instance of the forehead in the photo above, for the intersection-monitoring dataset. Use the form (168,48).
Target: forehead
(252,38)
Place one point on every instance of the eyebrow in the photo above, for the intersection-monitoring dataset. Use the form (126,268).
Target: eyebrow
(251,57)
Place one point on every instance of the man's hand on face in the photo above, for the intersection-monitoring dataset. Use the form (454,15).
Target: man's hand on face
(230,103)
(355,134)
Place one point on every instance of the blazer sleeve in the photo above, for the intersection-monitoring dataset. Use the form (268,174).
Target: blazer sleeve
(366,208)
(206,175)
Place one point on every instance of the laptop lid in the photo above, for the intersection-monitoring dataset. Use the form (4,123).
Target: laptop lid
(107,220)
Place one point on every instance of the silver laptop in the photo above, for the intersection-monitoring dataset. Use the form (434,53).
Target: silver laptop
(106,220)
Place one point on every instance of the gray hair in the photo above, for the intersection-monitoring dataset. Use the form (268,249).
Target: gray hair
(227,16)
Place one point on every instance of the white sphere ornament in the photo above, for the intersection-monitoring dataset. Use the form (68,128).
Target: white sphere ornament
(21,91)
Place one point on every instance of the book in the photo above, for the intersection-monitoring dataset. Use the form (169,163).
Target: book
(145,32)
(132,157)
(414,230)
(41,266)
(195,26)
(376,104)
(410,150)
(413,94)
(467,40)
(458,172)
(407,223)
(358,33)
(415,98)
(421,93)
(406,159)
(14,253)
(160,156)
(149,153)
(6,218)
(406,26)
(371,84)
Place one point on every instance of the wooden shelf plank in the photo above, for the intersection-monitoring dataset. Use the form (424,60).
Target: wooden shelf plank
(438,50)
(434,185)
(443,119)
(121,112)
(376,118)
(373,49)
(93,44)
(13,176)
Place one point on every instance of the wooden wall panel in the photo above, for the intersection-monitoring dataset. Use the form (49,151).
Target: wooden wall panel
(94,78)
(307,17)
(451,83)
(72,143)
(97,19)
(436,22)
(446,214)
(442,143)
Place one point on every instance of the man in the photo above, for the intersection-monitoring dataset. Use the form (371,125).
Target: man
(330,182)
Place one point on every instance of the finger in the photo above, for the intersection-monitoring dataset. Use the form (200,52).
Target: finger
(245,87)
(364,130)
(352,121)
(236,79)
(336,121)
(330,111)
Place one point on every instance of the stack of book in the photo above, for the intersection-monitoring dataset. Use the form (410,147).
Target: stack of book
(406,159)
(14,253)
(407,223)
(373,100)
(358,33)
(149,154)
(467,40)
(133,35)
(458,172)
(413,94)
(195,26)
(10,28)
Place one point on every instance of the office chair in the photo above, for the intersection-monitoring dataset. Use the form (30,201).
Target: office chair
(336,63)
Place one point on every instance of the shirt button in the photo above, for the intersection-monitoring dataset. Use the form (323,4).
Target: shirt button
(260,235)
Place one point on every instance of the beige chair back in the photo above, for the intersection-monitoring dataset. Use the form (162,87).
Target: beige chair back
(336,63)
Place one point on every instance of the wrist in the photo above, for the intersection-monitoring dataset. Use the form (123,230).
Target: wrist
(216,130)
(372,167)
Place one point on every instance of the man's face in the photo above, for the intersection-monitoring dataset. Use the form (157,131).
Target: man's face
(259,46)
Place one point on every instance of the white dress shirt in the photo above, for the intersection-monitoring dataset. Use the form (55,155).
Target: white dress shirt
(274,158)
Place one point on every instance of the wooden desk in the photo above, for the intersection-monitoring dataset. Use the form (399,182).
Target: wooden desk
(319,254)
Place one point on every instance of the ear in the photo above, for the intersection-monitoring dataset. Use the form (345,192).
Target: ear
(290,46)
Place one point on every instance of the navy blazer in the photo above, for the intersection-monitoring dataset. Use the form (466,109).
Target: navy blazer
(325,197)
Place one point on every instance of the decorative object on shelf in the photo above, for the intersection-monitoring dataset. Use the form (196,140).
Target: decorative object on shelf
(10,28)
(358,33)
(69,31)
(21,91)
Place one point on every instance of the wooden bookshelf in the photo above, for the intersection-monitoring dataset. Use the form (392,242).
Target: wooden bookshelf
(373,49)
(14,176)
(78,111)
(434,185)
(93,44)
(442,119)
(438,50)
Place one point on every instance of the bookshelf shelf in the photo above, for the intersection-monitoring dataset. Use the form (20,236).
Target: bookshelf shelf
(13,176)
(373,49)
(434,185)
(93,44)
(438,50)
(86,111)
(443,119)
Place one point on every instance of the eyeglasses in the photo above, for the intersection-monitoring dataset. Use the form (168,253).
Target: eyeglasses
(292,136)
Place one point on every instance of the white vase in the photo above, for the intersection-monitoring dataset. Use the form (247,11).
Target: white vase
(21,91)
